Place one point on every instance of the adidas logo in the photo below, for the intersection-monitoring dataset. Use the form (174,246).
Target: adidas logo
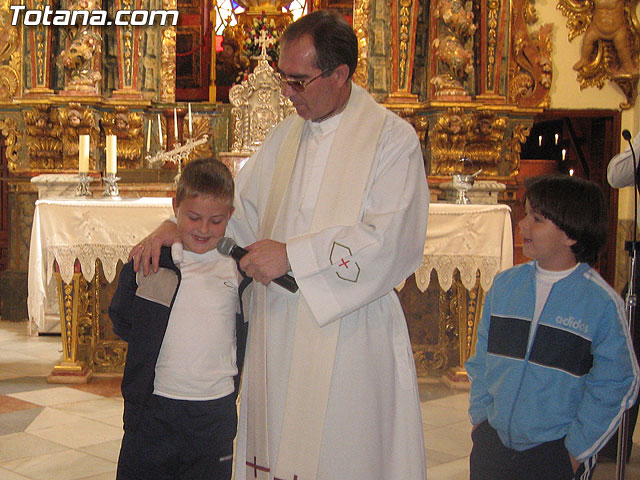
(572,323)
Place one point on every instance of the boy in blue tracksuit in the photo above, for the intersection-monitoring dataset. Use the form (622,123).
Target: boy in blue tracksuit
(183,329)
(554,369)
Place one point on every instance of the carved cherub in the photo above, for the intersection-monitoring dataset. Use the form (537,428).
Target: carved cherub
(608,22)
(75,121)
(128,128)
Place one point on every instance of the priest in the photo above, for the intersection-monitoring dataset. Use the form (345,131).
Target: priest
(337,197)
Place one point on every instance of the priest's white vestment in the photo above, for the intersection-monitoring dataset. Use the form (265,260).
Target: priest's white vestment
(371,427)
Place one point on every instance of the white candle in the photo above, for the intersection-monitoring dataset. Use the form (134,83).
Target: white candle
(159,130)
(83,153)
(539,140)
(175,124)
(564,153)
(148,135)
(112,154)
(557,138)
(190,123)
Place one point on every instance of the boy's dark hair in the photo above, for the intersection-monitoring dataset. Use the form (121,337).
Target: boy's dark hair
(333,38)
(576,206)
(205,176)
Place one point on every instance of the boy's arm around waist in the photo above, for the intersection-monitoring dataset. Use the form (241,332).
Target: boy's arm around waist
(122,302)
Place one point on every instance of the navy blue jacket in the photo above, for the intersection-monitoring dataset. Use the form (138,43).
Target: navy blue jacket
(142,323)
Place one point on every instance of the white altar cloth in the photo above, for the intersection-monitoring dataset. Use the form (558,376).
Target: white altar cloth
(470,238)
(68,229)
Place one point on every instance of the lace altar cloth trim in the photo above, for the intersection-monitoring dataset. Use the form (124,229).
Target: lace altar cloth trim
(87,256)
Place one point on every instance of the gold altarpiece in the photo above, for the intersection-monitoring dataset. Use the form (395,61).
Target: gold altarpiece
(469,76)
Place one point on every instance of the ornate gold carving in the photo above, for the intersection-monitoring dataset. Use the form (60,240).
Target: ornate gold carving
(128,129)
(479,136)
(456,324)
(10,55)
(629,86)
(484,141)
(451,48)
(168,60)
(82,58)
(109,356)
(514,145)
(530,70)
(41,57)
(42,131)
(611,42)
(403,38)
(10,133)
(70,365)
(447,140)
(76,120)
(200,129)
(361,11)
(493,9)
(420,123)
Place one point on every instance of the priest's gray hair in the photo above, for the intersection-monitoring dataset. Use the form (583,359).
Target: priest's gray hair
(333,38)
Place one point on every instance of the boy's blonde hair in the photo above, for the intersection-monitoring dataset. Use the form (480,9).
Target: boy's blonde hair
(205,177)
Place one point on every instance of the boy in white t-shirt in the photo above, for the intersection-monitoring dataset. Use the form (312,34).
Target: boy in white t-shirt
(180,325)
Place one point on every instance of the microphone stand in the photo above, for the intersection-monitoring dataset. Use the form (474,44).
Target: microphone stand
(630,308)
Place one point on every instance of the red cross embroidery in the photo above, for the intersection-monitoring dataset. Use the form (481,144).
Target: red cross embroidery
(257,467)
(344,263)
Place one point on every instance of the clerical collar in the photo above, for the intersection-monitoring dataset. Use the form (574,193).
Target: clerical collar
(329,115)
(326,127)
(336,112)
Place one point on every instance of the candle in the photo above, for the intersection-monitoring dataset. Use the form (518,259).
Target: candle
(83,153)
(175,124)
(190,123)
(557,138)
(148,135)
(159,131)
(571,172)
(539,140)
(112,154)
(564,153)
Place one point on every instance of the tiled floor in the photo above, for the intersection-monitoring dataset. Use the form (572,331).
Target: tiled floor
(54,432)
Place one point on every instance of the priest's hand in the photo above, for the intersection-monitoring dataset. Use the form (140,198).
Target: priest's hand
(266,260)
(146,254)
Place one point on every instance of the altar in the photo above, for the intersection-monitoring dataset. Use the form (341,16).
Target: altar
(466,246)
(82,243)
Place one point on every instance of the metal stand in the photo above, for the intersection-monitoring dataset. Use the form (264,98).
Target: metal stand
(111,186)
(630,304)
(83,185)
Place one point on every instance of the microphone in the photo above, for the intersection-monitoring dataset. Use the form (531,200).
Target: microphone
(626,134)
(229,248)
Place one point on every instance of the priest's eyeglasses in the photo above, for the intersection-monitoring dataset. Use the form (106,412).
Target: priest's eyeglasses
(300,85)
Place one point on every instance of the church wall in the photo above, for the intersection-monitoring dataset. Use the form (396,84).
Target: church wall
(566,94)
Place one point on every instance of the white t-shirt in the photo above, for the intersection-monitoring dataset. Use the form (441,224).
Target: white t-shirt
(197,359)
(544,282)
